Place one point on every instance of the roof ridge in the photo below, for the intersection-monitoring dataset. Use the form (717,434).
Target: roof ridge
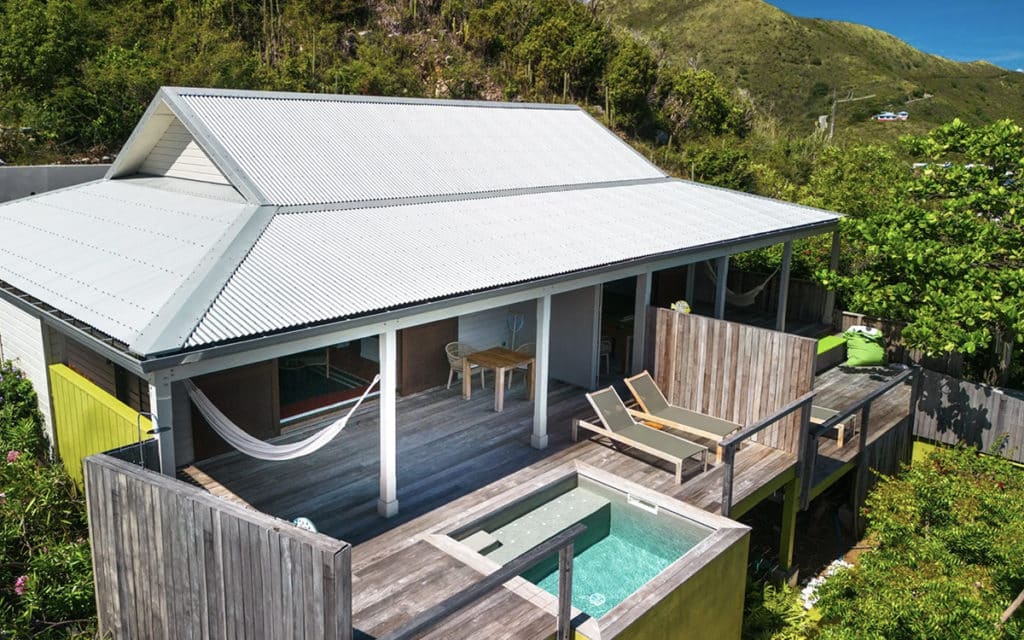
(366,99)
(186,306)
(380,203)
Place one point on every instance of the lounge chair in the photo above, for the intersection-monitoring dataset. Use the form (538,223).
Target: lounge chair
(820,414)
(619,426)
(654,407)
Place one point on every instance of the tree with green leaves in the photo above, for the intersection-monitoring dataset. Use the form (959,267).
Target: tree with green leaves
(946,256)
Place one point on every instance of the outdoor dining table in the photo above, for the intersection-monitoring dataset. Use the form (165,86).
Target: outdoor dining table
(501,360)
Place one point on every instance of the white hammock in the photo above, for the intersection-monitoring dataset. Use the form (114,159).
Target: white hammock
(745,298)
(256,448)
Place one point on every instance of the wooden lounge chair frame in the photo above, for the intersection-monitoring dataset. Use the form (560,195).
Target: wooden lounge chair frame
(622,434)
(820,414)
(701,426)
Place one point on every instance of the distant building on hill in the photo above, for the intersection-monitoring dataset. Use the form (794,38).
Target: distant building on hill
(889,116)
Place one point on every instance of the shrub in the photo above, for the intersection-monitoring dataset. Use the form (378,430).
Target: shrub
(948,556)
(775,613)
(46,587)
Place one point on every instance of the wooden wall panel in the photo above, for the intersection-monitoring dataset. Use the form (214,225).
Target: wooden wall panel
(248,395)
(172,561)
(732,371)
(422,363)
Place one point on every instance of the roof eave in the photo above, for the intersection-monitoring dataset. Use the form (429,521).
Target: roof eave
(176,357)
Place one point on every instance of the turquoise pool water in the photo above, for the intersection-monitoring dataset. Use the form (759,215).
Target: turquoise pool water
(627,542)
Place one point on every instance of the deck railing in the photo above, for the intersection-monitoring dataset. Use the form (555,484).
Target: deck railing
(561,542)
(730,444)
(862,406)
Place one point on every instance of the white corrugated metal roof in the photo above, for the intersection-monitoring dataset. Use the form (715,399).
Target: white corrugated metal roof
(109,253)
(317,266)
(300,149)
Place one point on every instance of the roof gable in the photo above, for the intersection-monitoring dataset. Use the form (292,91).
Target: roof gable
(309,149)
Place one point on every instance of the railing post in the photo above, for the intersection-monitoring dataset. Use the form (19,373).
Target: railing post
(915,395)
(804,455)
(860,485)
(565,592)
(728,459)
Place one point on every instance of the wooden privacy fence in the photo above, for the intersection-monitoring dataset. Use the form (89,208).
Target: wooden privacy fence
(172,561)
(732,371)
(89,420)
(950,410)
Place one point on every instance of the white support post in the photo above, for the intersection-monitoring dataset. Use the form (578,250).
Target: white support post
(787,259)
(539,439)
(640,303)
(830,296)
(387,504)
(691,282)
(722,269)
(595,359)
(161,405)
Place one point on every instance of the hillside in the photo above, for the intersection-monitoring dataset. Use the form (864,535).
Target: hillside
(792,66)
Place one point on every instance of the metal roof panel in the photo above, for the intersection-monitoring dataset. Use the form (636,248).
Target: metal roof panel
(317,266)
(303,149)
(109,253)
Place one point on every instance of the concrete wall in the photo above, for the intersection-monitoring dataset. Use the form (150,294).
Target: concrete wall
(708,605)
(22,341)
(21,182)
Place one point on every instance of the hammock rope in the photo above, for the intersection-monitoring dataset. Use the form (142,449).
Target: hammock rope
(250,446)
(744,298)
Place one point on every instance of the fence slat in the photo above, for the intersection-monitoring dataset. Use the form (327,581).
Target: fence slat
(733,371)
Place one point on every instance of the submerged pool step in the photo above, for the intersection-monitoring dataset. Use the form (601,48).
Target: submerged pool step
(534,527)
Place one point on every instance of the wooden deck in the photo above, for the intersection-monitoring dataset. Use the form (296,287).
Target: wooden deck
(841,387)
(448,448)
(454,455)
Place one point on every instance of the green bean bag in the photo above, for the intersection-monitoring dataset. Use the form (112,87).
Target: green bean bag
(864,347)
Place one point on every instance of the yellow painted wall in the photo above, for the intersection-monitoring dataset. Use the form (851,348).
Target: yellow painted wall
(89,420)
(708,606)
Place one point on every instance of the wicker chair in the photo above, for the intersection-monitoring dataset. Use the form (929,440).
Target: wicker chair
(526,347)
(456,351)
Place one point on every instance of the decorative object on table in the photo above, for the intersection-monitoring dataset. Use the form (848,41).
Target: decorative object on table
(865,347)
(456,351)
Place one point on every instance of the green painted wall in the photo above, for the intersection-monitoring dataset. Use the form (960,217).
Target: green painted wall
(89,420)
(708,606)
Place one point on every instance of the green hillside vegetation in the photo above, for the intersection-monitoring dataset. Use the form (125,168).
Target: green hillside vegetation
(733,110)
(79,73)
(793,66)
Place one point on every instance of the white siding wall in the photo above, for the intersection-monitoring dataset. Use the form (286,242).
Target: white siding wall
(177,155)
(21,340)
(575,334)
(490,328)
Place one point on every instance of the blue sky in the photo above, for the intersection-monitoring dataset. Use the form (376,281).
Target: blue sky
(990,30)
